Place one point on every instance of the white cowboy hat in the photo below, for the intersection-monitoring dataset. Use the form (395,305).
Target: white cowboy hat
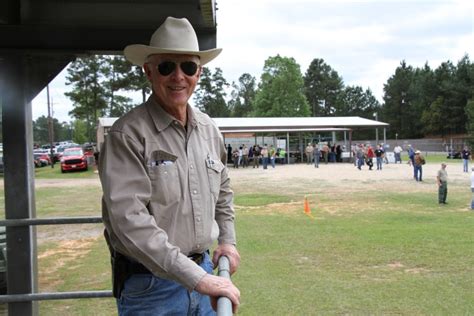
(174,36)
(417,152)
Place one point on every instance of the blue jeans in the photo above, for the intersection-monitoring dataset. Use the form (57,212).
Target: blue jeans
(272,160)
(418,173)
(379,163)
(316,161)
(465,165)
(145,294)
(265,162)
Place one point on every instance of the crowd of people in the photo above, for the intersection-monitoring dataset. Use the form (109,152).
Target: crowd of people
(255,155)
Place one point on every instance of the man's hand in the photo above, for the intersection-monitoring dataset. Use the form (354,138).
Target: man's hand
(215,287)
(230,252)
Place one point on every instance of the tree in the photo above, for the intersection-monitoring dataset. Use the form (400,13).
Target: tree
(41,130)
(281,89)
(397,110)
(243,96)
(89,95)
(357,102)
(323,87)
(117,73)
(81,132)
(470,122)
(210,95)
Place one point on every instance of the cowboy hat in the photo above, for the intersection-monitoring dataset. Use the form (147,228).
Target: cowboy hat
(417,152)
(174,36)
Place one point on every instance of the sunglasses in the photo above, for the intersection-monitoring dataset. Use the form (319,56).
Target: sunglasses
(166,68)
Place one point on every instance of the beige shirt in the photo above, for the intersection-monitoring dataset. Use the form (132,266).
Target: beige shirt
(443,175)
(166,190)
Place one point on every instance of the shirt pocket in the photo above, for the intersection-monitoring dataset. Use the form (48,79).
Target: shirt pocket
(214,170)
(165,183)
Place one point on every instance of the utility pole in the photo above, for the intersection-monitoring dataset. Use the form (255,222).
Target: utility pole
(50,129)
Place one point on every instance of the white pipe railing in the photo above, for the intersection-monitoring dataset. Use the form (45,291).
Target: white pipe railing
(224,305)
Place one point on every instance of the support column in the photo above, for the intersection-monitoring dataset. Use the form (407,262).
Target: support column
(19,181)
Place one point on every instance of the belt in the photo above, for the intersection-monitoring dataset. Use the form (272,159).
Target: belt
(138,268)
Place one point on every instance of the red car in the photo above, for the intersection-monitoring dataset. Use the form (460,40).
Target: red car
(73,159)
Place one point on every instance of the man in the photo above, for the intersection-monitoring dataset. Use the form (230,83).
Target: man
(398,153)
(379,156)
(316,155)
(465,158)
(167,196)
(360,156)
(419,161)
(442,180)
(309,153)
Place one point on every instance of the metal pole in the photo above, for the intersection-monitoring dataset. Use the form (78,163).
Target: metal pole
(287,147)
(19,181)
(50,129)
(224,305)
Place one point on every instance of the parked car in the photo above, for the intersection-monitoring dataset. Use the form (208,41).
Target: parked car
(73,159)
(41,159)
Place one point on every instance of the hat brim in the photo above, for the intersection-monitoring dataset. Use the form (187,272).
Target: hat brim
(138,53)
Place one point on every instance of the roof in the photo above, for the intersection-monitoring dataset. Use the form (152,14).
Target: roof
(294,124)
(283,124)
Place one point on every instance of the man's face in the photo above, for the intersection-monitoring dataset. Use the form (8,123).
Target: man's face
(174,89)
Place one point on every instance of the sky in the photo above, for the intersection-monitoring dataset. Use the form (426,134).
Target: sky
(364,41)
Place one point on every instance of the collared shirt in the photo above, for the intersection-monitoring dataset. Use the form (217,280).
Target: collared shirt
(166,190)
(443,175)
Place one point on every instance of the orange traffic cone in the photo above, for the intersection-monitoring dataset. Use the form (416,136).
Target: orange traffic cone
(307,210)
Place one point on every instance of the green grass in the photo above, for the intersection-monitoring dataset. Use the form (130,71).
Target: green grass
(395,262)
(55,173)
(364,253)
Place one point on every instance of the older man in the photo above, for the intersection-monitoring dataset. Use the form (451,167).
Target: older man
(167,196)
(442,180)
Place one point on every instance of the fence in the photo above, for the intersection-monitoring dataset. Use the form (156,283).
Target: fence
(224,304)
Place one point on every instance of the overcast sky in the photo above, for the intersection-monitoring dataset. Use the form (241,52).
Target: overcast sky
(364,41)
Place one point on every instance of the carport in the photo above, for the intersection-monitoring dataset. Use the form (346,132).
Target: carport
(298,125)
(39,39)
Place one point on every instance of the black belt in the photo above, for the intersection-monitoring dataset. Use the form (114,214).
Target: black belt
(135,267)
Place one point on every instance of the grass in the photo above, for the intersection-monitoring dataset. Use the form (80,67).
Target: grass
(365,253)
(55,173)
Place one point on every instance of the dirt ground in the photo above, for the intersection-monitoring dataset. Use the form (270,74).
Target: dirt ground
(347,176)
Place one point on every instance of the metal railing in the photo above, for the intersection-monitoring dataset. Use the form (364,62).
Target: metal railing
(224,305)
(15,298)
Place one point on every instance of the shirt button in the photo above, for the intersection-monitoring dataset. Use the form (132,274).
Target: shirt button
(195,192)
(198,219)
(198,246)
(191,166)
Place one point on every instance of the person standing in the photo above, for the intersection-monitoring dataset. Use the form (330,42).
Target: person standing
(325,151)
(245,155)
(316,155)
(229,153)
(167,197)
(466,154)
(379,156)
(309,153)
(360,156)
(418,165)
(272,155)
(264,153)
(370,156)
(256,155)
(398,153)
(442,180)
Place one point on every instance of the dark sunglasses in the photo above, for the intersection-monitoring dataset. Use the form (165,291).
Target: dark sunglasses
(166,68)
